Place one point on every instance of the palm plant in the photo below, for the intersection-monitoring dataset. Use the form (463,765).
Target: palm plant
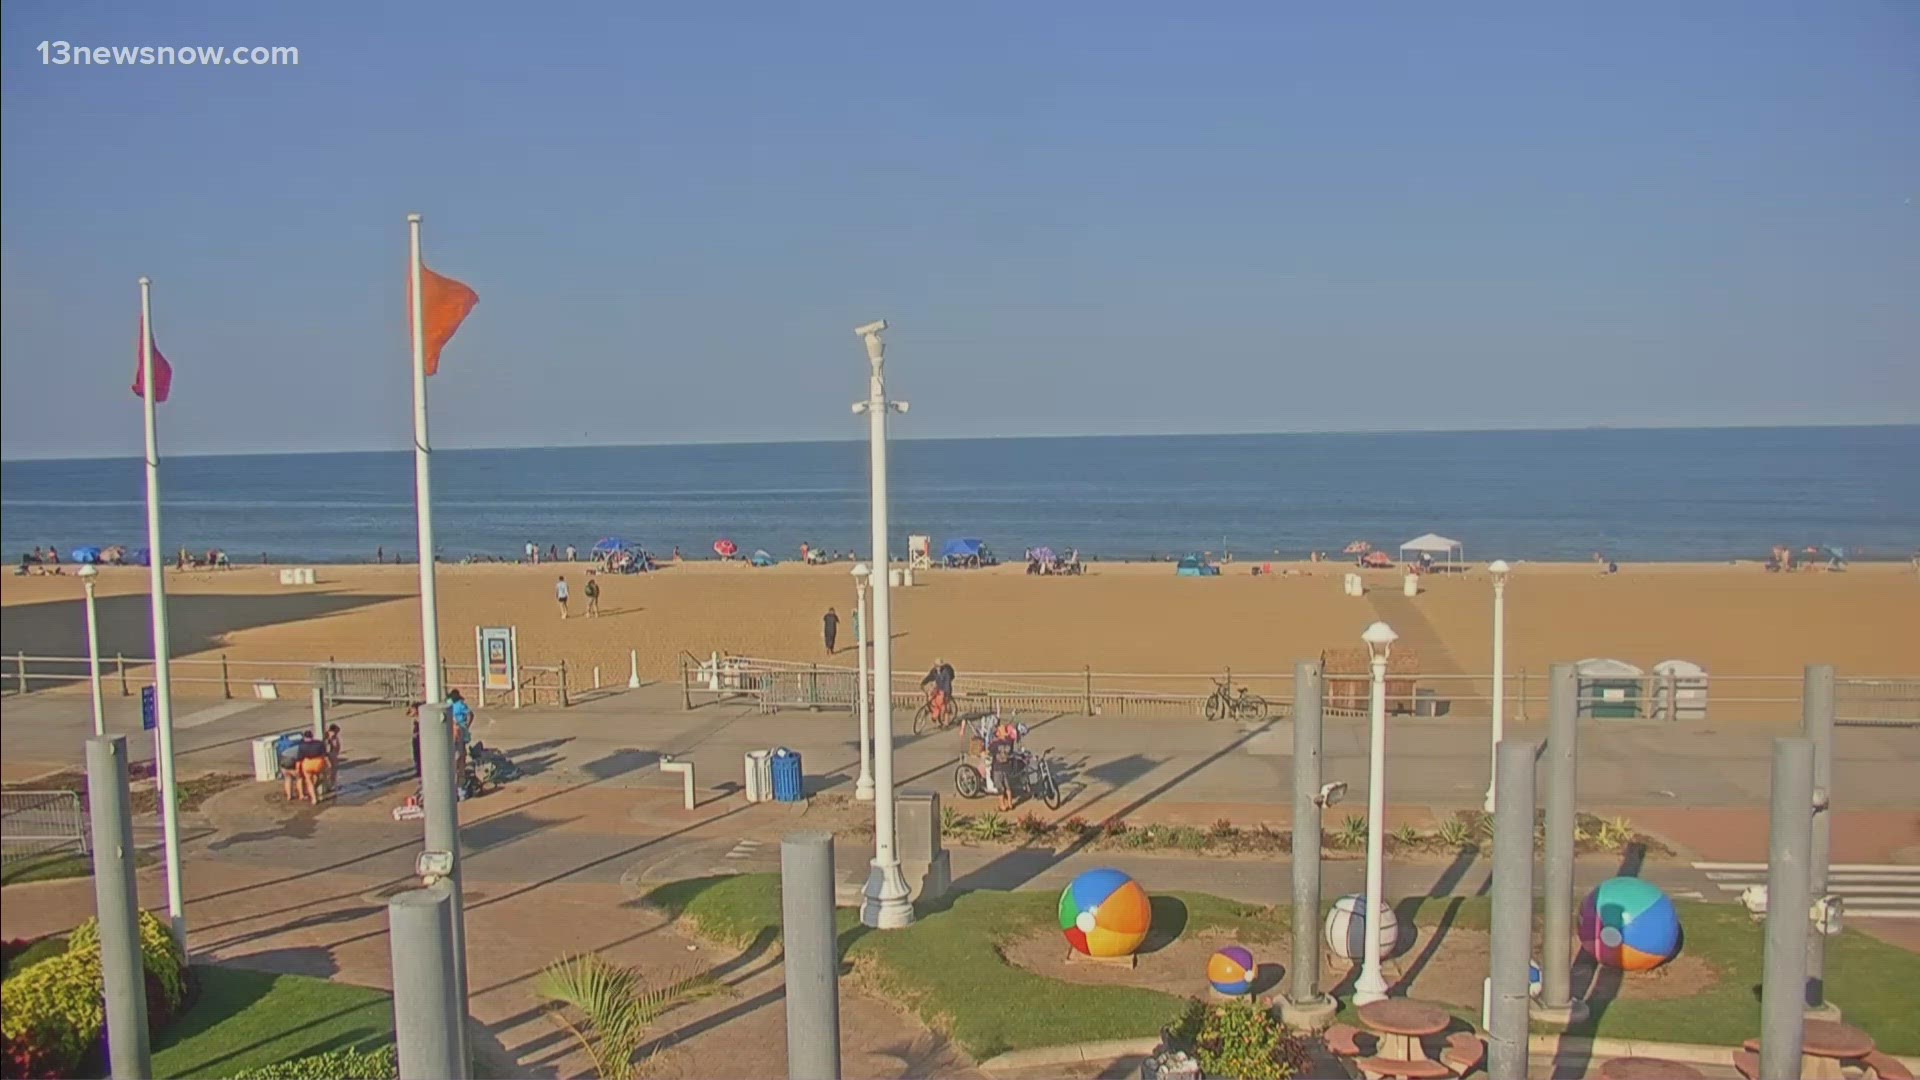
(608,1007)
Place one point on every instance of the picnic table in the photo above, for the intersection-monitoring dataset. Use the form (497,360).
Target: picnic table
(1827,1047)
(1647,1068)
(1401,1024)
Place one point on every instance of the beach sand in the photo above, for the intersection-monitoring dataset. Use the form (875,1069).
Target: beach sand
(1732,619)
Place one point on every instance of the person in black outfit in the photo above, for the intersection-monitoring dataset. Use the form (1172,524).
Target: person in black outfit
(830,629)
(416,749)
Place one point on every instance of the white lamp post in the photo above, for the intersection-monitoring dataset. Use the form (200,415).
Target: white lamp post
(1372,985)
(863,789)
(1499,569)
(885,905)
(87,574)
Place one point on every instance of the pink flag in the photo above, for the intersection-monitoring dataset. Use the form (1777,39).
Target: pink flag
(162,371)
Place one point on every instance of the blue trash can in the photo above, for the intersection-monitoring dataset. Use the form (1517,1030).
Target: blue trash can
(787,785)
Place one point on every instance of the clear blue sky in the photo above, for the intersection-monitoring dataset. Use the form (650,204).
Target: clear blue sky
(1094,217)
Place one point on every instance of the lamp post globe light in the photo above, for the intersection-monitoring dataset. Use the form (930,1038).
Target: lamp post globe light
(1499,569)
(87,576)
(863,788)
(885,904)
(1372,984)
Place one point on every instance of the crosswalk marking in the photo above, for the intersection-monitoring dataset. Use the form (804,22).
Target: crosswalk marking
(1870,890)
(745,849)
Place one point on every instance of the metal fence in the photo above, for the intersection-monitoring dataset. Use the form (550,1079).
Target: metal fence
(773,685)
(229,678)
(34,823)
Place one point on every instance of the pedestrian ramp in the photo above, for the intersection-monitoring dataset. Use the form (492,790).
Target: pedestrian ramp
(1869,890)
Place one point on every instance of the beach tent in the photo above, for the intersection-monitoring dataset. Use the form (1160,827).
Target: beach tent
(1432,544)
(761,558)
(963,548)
(611,544)
(86,554)
(1044,554)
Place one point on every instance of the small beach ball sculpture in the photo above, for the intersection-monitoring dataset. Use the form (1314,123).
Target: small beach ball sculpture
(1105,913)
(1230,971)
(1347,928)
(1628,923)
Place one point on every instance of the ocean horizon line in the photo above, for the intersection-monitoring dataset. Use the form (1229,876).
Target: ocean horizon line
(1560,429)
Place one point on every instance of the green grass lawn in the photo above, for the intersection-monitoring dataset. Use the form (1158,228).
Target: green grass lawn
(57,865)
(947,968)
(242,1019)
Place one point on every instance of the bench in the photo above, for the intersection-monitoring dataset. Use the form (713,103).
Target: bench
(1748,1062)
(1343,1040)
(1374,1067)
(1886,1067)
(1463,1053)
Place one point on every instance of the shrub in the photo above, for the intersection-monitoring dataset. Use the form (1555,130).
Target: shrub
(1034,827)
(1454,833)
(53,1012)
(1352,833)
(991,827)
(27,1061)
(1113,827)
(1223,830)
(23,954)
(1406,836)
(1077,827)
(1185,837)
(349,1064)
(1241,1039)
(158,954)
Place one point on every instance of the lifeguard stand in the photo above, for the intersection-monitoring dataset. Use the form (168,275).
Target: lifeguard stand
(920,552)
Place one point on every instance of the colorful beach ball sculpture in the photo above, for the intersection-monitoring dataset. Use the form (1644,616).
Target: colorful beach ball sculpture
(1628,923)
(1105,913)
(1347,928)
(1230,971)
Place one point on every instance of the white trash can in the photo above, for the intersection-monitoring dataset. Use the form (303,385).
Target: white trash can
(906,575)
(759,775)
(893,577)
(1410,585)
(1354,586)
(266,763)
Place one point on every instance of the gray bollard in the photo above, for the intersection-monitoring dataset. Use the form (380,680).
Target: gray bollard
(441,803)
(1789,841)
(1556,1005)
(427,1015)
(812,956)
(118,905)
(1816,709)
(1306,1007)
(1512,910)
(319,713)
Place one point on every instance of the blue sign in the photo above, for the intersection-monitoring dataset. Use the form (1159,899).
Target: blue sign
(149,709)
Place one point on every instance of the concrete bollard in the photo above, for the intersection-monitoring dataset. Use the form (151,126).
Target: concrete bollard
(685,769)
(1306,1008)
(118,907)
(427,1016)
(812,959)
(1783,986)
(1512,911)
(1557,1005)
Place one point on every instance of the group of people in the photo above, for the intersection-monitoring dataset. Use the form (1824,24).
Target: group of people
(553,554)
(310,764)
(461,714)
(40,562)
(563,595)
(810,555)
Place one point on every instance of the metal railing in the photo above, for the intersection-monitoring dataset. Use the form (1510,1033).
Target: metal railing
(227,677)
(774,685)
(34,823)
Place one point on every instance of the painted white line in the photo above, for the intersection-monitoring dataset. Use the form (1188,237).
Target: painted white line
(217,712)
(1872,868)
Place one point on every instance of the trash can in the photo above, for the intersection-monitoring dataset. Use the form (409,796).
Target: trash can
(787,786)
(759,775)
(1410,585)
(1609,689)
(1353,585)
(266,758)
(894,579)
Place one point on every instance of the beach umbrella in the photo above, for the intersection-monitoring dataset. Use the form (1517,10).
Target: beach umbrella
(86,554)
(1044,554)
(725,548)
(611,544)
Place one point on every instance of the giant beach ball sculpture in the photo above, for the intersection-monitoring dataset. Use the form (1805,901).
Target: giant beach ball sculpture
(1628,923)
(1230,971)
(1347,928)
(1105,913)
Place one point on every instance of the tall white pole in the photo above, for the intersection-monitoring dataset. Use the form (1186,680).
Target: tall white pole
(442,823)
(162,650)
(1372,985)
(1499,679)
(863,788)
(93,654)
(885,906)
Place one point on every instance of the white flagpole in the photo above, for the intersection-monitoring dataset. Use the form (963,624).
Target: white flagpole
(442,823)
(162,650)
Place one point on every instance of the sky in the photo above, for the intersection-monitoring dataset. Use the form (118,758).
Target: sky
(1079,218)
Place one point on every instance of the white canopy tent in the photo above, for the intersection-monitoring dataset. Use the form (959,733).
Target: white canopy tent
(1433,544)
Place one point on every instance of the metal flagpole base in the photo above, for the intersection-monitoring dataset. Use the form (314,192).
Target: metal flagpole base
(1573,1012)
(1825,1011)
(1308,1016)
(884,904)
(863,790)
(1369,988)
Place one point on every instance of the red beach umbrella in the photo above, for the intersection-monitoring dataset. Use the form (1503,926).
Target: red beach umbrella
(725,548)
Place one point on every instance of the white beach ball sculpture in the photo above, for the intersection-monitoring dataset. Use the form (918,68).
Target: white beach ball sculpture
(1347,928)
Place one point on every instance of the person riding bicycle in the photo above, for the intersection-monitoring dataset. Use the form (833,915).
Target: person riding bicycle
(938,686)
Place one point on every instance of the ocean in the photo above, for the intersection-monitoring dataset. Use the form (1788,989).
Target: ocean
(1669,494)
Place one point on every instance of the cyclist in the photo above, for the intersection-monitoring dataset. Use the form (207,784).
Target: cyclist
(938,686)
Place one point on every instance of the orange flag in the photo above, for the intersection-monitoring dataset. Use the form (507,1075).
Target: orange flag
(446,303)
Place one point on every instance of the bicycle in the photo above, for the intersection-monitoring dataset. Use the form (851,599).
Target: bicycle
(1032,778)
(1224,702)
(925,719)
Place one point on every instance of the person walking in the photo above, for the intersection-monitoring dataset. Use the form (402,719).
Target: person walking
(560,594)
(573,554)
(830,628)
(593,597)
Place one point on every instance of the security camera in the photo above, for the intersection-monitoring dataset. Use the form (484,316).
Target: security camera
(1330,794)
(871,328)
(1754,899)
(859,408)
(1821,800)
(1827,914)
(898,406)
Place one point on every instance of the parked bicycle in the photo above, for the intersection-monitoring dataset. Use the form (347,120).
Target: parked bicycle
(1240,704)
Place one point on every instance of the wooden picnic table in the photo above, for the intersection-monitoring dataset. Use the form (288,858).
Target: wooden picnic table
(1646,1068)
(1826,1044)
(1401,1023)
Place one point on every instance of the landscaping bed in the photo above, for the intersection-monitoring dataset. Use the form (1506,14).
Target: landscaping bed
(976,966)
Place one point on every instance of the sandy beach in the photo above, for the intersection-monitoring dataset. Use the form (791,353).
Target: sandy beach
(1733,619)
